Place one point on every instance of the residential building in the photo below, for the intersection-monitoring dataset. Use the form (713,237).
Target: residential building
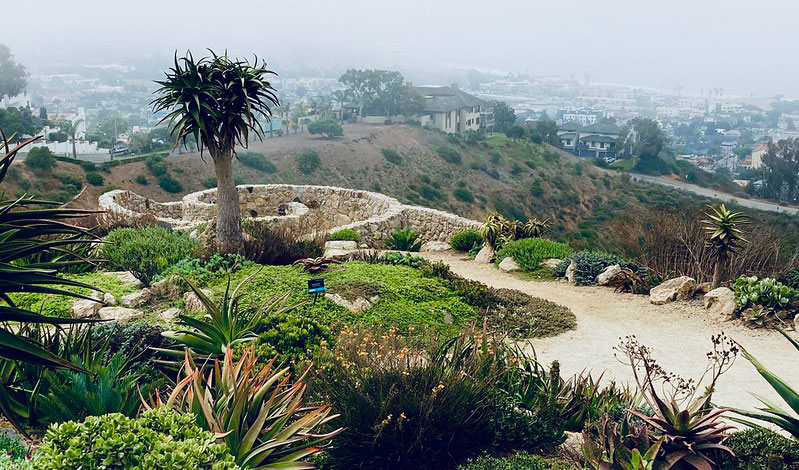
(596,140)
(452,110)
(755,159)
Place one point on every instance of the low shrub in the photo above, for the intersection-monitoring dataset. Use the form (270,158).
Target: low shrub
(70,183)
(157,165)
(40,158)
(326,127)
(279,246)
(94,178)
(292,339)
(449,155)
(308,161)
(346,234)
(761,448)
(767,293)
(392,156)
(146,251)
(466,240)
(142,180)
(404,239)
(257,161)
(14,454)
(170,184)
(157,440)
(463,195)
(519,461)
(88,166)
(402,259)
(530,252)
(590,264)
(204,271)
(209,183)
(791,279)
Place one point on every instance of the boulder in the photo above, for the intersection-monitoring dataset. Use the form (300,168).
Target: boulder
(166,288)
(84,308)
(357,305)
(119,314)
(608,274)
(192,303)
(704,288)
(170,313)
(341,245)
(720,300)
(109,299)
(508,265)
(136,299)
(127,277)
(551,263)
(485,255)
(435,246)
(571,272)
(679,288)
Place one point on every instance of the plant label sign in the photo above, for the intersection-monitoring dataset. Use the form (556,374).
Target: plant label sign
(316,286)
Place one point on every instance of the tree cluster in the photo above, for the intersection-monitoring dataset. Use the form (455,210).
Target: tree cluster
(382,93)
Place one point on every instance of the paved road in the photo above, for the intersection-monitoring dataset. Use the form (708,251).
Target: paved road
(751,203)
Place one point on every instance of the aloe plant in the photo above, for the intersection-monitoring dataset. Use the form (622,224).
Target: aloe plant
(786,419)
(724,236)
(258,412)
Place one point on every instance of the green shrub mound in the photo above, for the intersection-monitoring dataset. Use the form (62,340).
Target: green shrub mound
(40,158)
(404,239)
(170,184)
(761,448)
(147,251)
(325,127)
(519,461)
(466,241)
(308,161)
(768,293)
(292,339)
(157,165)
(94,178)
(530,252)
(449,155)
(204,271)
(590,264)
(256,161)
(346,234)
(142,180)
(392,156)
(463,195)
(158,440)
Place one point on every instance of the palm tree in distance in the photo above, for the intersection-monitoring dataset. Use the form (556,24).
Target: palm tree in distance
(299,111)
(71,128)
(724,236)
(218,101)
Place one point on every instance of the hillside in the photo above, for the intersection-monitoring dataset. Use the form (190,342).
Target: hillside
(518,179)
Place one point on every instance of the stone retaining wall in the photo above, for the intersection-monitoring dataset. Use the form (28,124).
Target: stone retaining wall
(312,208)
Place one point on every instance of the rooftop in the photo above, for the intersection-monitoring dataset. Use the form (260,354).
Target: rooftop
(441,99)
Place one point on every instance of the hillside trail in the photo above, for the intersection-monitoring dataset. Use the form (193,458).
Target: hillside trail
(678,333)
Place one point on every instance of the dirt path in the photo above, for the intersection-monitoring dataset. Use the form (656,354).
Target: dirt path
(678,333)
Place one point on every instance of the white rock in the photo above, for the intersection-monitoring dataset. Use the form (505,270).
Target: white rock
(608,274)
(720,300)
(679,288)
(192,303)
(170,313)
(136,299)
(120,314)
(337,253)
(435,246)
(485,255)
(127,277)
(571,272)
(508,265)
(551,263)
(341,245)
(85,308)
(355,306)
(109,299)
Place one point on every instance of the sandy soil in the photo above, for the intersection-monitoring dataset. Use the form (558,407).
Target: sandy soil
(678,333)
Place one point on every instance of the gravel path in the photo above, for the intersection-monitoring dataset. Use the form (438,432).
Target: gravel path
(679,334)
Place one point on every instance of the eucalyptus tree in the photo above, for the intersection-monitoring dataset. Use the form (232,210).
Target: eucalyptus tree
(218,101)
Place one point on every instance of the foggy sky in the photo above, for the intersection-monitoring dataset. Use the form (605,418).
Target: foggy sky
(744,47)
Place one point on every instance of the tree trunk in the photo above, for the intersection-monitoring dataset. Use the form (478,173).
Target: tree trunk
(74,151)
(229,238)
(716,274)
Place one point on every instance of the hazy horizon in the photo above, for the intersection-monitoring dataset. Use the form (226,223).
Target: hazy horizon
(657,44)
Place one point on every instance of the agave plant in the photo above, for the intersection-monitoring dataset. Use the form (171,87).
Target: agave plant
(224,324)
(626,280)
(258,412)
(724,236)
(533,228)
(317,265)
(404,239)
(620,445)
(497,230)
(491,229)
(787,420)
(29,227)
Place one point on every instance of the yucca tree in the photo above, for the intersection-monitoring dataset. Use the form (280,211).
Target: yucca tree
(724,236)
(30,227)
(218,101)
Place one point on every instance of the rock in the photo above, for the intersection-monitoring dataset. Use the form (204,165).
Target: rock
(363,246)
(608,274)
(170,313)
(485,255)
(120,314)
(508,265)
(166,288)
(796,323)
(127,277)
(571,272)
(109,299)
(341,245)
(679,288)
(704,288)
(551,263)
(574,442)
(720,300)
(435,246)
(448,318)
(136,299)
(357,305)
(192,303)
(84,308)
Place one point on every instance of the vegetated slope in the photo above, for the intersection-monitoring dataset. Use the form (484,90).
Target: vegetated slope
(516,178)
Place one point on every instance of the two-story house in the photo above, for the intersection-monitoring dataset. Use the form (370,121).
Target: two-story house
(451,110)
(596,140)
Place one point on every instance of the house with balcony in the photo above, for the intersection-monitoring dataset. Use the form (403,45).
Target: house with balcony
(596,140)
(454,111)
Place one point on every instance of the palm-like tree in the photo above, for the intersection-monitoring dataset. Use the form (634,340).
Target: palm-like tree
(342,97)
(71,128)
(299,111)
(218,101)
(724,236)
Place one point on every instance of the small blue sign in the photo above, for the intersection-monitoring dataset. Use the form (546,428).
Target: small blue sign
(316,286)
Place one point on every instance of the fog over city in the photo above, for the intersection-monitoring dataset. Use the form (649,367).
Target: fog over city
(739,46)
